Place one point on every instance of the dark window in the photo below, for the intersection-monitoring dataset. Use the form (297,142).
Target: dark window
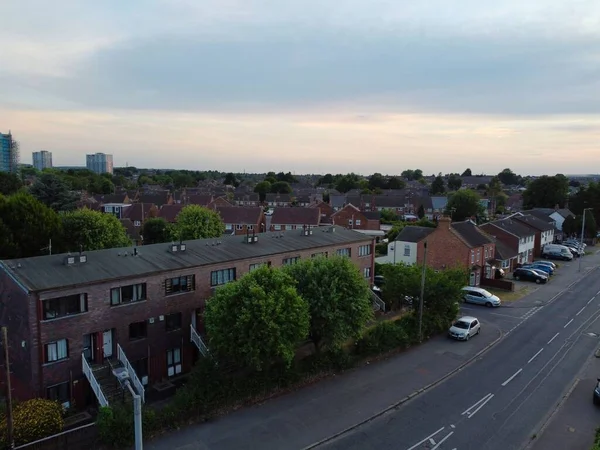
(65,306)
(290,261)
(218,277)
(128,294)
(60,393)
(173,321)
(138,330)
(56,351)
(177,285)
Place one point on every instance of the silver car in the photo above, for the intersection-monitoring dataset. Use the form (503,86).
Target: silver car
(472,294)
(464,328)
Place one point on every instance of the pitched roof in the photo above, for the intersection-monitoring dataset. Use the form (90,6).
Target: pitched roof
(503,251)
(240,215)
(565,212)
(296,216)
(337,201)
(414,233)
(540,214)
(533,222)
(372,215)
(439,203)
(199,199)
(471,233)
(137,211)
(170,212)
(49,272)
(158,198)
(513,227)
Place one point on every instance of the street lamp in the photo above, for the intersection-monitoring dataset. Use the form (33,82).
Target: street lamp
(422,291)
(582,230)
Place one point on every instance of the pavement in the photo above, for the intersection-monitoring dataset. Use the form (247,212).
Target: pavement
(544,347)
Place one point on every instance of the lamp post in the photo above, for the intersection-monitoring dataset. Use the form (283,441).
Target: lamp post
(582,230)
(421,301)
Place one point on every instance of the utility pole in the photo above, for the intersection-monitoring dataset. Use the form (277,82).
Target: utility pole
(421,301)
(9,410)
(582,230)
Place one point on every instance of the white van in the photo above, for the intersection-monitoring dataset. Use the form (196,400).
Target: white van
(557,251)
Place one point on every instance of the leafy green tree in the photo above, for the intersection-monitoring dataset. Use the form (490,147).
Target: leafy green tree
(464,203)
(377,181)
(231,179)
(409,174)
(156,230)
(286,177)
(262,189)
(467,173)
(421,212)
(9,183)
(509,178)
(326,180)
(569,226)
(196,222)
(338,299)
(396,183)
(26,226)
(494,190)
(344,183)
(281,187)
(182,179)
(454,182)
(54,192)
(258,320)
(546,192)
(591,228)
(418,174)
(388,216)
(92,230)
(437,186)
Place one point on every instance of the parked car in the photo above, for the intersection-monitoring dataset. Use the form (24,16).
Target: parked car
(597,393)
(472,294)
(464,328)
(540,267)
(577,252)
(379,280)
(548,263)
(526,274)
(555,251)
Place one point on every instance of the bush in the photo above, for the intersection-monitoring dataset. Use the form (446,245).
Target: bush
(116,427)
(382,338)
(33,419)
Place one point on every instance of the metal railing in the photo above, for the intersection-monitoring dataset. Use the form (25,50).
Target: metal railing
(87,371)
(196,339)
(378,304)
(137,384)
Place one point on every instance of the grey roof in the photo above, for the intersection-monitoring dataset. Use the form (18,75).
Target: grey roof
(546,211)
(49,272)
(564,212)
(337,201)
(514,227)
(414,234)
(471,233)
(540,214)
(372,215)
(534,222)
(504,252)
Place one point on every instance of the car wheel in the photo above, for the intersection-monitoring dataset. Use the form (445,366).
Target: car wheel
(468,336)
(595,400)
(489,305)
(538,281)
(517,278)
(478,330)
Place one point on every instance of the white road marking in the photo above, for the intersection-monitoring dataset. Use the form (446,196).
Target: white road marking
(535,356)
(591,300)
(512,377)
(426,439)
(442,441)
(598,293)
(553,337)
(480,406)
(452,426)
(506,315)
(476,404)
(580,311)
(568,323)
(431,441)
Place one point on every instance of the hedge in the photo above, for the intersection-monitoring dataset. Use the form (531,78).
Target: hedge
(596,445)
(32,420)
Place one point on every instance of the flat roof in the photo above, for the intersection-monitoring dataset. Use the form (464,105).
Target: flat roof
(50,272)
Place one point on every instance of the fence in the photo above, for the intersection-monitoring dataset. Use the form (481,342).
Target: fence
(80,438)
(498,284)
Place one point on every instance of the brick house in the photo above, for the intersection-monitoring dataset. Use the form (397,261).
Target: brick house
(352,217)
(326,211)
(294,218)
(544,231)
(243,219)
(278,200)
(515,235)
(408,244)
(68,316)
(170,212)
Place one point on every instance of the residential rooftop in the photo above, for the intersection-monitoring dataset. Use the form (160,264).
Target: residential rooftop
(50,272)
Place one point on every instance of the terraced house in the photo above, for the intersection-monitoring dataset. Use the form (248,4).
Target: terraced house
(77,322)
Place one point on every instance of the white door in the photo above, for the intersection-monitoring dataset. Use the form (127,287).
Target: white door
(107,343)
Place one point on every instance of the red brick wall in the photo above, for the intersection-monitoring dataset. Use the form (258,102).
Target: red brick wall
(344,215)
(444,248)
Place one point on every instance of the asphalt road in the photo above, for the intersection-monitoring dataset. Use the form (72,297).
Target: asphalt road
(497,401)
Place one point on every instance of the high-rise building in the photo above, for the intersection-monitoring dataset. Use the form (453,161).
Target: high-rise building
(9,153)
(42,160)
(100,163)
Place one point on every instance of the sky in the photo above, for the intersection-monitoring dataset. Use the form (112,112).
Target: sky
(307,86)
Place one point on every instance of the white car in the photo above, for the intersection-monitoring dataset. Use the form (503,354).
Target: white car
(473,294)
(464,328)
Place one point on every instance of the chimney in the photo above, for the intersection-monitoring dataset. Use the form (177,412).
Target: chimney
(445,219)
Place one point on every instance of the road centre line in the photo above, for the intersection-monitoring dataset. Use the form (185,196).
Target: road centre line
(553,337)
(568,323)
(535,356)
(480,406)
(426,439)
(580,311)
(512,377)
(442,441)
(592,299)
(476,404)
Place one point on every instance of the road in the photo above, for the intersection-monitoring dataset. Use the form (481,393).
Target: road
(497,401)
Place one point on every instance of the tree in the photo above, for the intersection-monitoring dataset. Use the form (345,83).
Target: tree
(494,190)
(156,231)
(9,183)
(262,189)
(377,181)
(183,179)
(467,173)
(326,180)
(196,222)
(418,174)
(569,226)
(53,192)
(590,225)
(437,187)
(230,179)
(395,183)
(258,320)
(344,183)
(92,230)
(281,187)
(546,192)
(421,211)
(509,178)
(464,203)
(338,299)
(388,215)
(454,182)
(287,177)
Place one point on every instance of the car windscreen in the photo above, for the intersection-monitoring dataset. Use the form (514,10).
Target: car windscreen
(462,325)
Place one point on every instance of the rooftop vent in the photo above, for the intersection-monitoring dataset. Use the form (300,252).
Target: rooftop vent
(69,260)
(173,248)
(82,259)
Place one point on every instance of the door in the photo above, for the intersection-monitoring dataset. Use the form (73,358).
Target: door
(89,347)
(107,343)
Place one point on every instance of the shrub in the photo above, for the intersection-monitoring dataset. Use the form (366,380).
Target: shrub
(33,419)
(116,427)
(383,337)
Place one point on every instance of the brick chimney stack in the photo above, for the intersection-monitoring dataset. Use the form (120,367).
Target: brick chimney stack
(444,219)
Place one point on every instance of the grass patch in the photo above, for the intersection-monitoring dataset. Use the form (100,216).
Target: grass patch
(509,297)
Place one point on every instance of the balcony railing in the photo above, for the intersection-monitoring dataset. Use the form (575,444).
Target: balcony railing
(137,384)
(196,339)
(378,304)
(87,371)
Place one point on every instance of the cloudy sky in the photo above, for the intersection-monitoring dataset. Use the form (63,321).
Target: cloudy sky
(306,85)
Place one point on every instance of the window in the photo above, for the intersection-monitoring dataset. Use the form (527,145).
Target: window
(364,250)
(343,251)
(56,351)
(128,294)
(138,330)
(60,393)
(239,227)
(367,272)
(350,222)
(177,285)
(485,252)
(224,276)
(505,264)
(174,361)
(277,227)
(323,254)
(65,306)
(472,257)
(357,222)
(141,369)
(257,265)
(478,254)
(173,321)
(251,227)
(406,250)
(290,261)
(228,226)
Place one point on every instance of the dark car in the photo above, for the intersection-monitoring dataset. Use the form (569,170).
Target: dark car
(529,275)
(540,268)
(597,393)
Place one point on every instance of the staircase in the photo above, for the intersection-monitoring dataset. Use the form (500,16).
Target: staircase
(197,339)
(378,304)
(108,382)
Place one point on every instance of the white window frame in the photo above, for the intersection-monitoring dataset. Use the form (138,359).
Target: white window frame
(239,227)
(277,227)
(357,222)
(406,249)
(364,250)
(367,272)
(174,361)
(56,351)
